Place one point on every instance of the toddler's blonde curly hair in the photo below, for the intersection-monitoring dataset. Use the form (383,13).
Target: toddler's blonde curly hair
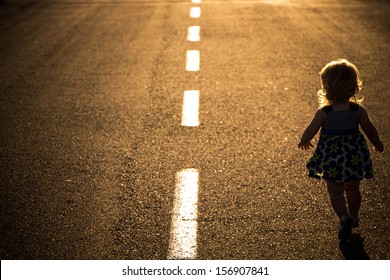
(340,82)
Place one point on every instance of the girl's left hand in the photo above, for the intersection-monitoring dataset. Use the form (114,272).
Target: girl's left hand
(305,145)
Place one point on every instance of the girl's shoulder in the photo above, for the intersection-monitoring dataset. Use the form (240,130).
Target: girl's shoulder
(326,109)
(354,106)
(320,114)
(361,111)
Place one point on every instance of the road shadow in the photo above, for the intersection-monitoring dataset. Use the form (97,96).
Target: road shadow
(353,249)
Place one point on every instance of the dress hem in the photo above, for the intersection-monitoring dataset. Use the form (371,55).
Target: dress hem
(335,181)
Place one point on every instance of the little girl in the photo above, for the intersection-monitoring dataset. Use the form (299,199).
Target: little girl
(342,157)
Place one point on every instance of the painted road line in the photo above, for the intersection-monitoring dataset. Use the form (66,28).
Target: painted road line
(193,34)
(190,112)
(182,244)
(192,60)
(196,1)
(195,12)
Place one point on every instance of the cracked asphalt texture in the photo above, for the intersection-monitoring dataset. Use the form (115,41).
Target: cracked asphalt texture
(91,141)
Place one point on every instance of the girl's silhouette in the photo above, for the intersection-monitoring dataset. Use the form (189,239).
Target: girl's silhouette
(341,157)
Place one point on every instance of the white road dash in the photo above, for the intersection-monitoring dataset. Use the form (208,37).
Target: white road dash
(193,34)
(183,236)
(195,12)
(196,1)
(190,112)
(192,60)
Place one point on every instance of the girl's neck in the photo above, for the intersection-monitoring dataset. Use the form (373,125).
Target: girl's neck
(341,106)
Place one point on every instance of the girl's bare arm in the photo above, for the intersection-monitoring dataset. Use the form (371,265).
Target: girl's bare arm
(369,129)
(312,130)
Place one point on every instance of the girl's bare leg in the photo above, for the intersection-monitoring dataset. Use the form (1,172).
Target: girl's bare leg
(337,199)
(354,197)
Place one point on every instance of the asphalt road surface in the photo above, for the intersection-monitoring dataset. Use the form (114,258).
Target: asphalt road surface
(91,142)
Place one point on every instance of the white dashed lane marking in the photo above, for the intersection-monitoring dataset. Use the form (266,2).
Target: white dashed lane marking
(190,112)
(195,12)
(183,243)
(193,34)
(192,60)
(183,235)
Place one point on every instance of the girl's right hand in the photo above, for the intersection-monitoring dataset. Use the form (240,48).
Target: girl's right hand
(379,148)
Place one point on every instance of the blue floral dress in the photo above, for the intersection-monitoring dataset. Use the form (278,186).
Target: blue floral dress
(342,154)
